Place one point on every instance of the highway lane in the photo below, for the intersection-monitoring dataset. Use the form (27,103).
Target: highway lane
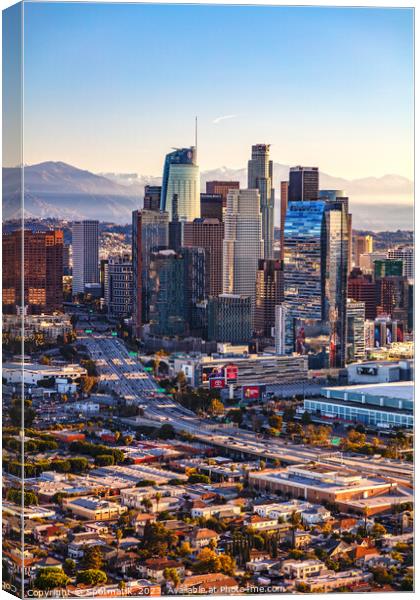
(126,376)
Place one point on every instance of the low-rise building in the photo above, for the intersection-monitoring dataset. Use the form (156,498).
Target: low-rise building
(34,372)
(217,510)
(331,581)
(319,483)
(384,405)
(94,509)
(300,569)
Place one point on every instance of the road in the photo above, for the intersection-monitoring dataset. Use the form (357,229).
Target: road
(126,376)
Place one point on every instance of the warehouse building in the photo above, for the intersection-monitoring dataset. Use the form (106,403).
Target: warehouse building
(385,405)
(319,483)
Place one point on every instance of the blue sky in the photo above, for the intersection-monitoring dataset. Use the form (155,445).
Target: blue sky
(112,87)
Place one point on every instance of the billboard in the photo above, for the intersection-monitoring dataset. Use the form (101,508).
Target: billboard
(217,383)
(210,371)
(252,392)
(231,373)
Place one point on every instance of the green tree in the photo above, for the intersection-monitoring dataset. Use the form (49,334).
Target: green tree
(104,460)
(91,577)
(93,558)
(51,578)
(198,478)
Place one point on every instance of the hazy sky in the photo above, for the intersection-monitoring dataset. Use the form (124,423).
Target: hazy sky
(114,87)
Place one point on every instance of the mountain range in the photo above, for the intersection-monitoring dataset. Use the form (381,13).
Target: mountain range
(60,190)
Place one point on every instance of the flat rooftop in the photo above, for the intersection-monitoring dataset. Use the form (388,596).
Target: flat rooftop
(403,390)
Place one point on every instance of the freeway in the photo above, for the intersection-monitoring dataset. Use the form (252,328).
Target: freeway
(127,377)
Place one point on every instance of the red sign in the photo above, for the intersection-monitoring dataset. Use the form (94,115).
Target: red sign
(231,372)
(217,383)
(251,392)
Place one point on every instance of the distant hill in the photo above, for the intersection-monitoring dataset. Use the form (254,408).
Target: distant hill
(56,189)
(59,190)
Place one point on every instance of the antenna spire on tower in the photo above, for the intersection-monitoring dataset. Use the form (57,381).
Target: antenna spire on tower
(196,132)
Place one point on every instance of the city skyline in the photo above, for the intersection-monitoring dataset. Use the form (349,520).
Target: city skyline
(116,105)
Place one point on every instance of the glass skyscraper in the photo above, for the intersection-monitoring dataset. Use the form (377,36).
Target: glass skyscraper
(181,178)
(315,281)
(260,177)
(303,183)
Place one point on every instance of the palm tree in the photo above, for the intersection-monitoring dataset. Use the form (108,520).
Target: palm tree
(158,497)
(118,535)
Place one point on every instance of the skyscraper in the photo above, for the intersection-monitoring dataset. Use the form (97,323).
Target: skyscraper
(222,188)
(406,255)
(340,196)
(211,206)
(208,234)
(363,244)
(315,281)
(137,260)
(229,318)
(195,279)
(243,245)
(167,294)
(361,288)
(119,286)
(260,177)
(355,331)
(152,194)
(85,242)
(269,293)
(284,194)
(303,183)
(280,329)
(181,177)
(42,277)
(149,232)
(388,268)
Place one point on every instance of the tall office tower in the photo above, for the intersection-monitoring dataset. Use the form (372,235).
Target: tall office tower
(284,194)
(176,227)
(410,311)
(243,245)
(280,329)
(340,196)
(152,194)
(315,281)
(222,188)
(103,277)
(211,206)
(355,331)
(41,290)
(167,294)
(363,244)
(149,233)
(369,334)
(406,255)
(303,184)
(388,268)
(269,293)
(137,262)
(181,178)
(120,286)
(66,259)
(85,244)
(392,294)
(230,318)
(367,261)
(195,279)
(362,288)
(260,177)
(208,234)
